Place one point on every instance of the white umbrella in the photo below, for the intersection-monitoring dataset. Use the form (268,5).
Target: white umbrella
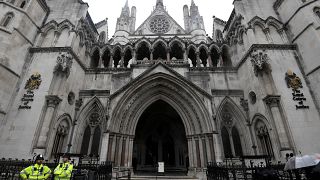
(306,161)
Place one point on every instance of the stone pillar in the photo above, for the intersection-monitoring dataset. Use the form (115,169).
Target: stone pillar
(185,55)
(127,152)
(52,102)
(134,56)
(130,151)
(151,54)
(195,153)
(273,102)
(190,152)
(198,59)
(104,147)
(121,63)
(208,149)
(217,148)
(78,104)
(113,149)
(209,63)
(111,65)
(119,151)
(168,54)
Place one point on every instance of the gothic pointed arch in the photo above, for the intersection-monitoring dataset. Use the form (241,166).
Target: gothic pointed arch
(143,48)
(203,55)
(60,132)
(264,135)
(159,50)
(66,24)
(232,119)
(192,55)
(214,54)
(178,41)
(95,57)
(117,54)
(225,55)
(106,55)
(142,41)
(159,86)
(92,116)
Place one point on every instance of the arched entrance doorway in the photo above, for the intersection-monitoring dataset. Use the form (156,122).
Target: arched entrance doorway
(160,137)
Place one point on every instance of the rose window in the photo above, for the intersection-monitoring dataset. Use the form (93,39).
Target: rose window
(159,24)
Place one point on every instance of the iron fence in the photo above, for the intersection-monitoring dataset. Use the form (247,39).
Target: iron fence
(10,169)
(224,171)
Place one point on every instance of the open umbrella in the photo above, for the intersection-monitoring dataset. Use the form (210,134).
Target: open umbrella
(306,161)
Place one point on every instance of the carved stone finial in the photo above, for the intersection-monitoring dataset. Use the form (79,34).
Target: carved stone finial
(64,63)
(53,100)
(260,61)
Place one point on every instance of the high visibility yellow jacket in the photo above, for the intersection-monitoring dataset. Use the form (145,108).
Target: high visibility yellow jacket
(40,172)
(63,171)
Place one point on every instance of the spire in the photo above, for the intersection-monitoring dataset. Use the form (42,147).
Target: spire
(127,4)
(125,9)
(192,3)
(159,3)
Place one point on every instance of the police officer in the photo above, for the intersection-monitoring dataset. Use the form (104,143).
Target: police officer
(64,170)
(37,171)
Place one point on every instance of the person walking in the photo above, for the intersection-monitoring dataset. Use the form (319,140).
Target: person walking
(37,171)
(64,170)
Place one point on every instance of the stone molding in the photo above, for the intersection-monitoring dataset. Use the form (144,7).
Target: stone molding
(53,100)
(229,92)
(272,100)
(91,93)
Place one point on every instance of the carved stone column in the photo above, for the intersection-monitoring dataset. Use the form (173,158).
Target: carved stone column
(134,56)
(168,54)
(51,103)
(131,139)
(111,65)
(104,147)
(185,55)
(273,102)
(151,54)
(198,59)
(191,153)
(217,148)
(121,63)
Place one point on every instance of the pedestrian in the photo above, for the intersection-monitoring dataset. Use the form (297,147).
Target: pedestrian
(64,170)
(37,171)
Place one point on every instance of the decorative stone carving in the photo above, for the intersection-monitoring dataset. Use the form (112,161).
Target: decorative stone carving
(227,118)
(79,103)
(293,81)
(53,100)
(94,119)
(244,103)
(260,61)
(159,24)
(64,63)
(272,100)
(33,82)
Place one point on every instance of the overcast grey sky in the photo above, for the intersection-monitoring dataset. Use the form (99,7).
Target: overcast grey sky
(111,9)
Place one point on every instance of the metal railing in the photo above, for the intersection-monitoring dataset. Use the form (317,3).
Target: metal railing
(224,171)
(10,169)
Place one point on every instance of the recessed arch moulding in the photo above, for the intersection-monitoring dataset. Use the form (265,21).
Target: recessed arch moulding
(191,103)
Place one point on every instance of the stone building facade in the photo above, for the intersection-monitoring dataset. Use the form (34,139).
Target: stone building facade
(159,92)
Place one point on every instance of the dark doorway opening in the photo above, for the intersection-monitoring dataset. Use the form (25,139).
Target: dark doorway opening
(160,137)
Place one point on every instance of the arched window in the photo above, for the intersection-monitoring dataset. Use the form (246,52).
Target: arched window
(230,135)
(204,57)
(127,57)
(116,57)
(226,143)
(193,57)
(92,135)
(106,58)
(143,51)
(316,10)
(23,4)
(60,139)
(226,58)
(95,59)
(214,54)
(264,141)
(176,51)
(160,52)
(7,19)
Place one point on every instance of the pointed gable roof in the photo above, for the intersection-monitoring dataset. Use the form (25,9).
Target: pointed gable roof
(159,11)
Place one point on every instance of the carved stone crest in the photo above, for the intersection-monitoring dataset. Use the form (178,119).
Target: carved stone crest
(64,63)
(293,81)
(260,61)
(33,82)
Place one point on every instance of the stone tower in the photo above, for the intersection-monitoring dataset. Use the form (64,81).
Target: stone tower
(194,23)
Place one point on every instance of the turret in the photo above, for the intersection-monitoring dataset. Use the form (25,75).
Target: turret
(193,23)
(186,17)
(125,24)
